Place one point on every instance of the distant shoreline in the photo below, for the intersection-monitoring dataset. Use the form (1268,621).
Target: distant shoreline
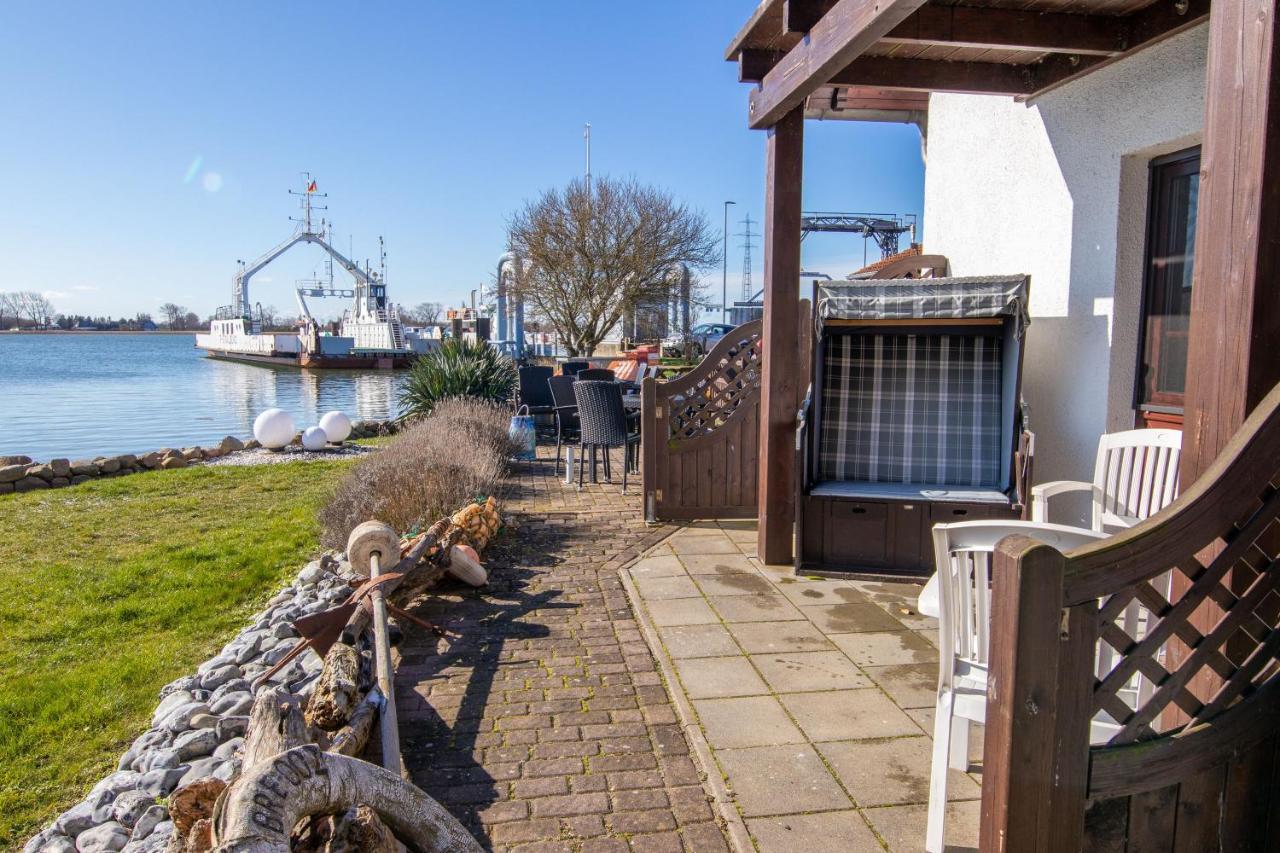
(8,332)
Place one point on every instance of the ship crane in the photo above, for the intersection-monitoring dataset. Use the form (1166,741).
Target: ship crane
(370,294)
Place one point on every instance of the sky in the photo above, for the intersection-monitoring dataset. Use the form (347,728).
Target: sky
(146,147)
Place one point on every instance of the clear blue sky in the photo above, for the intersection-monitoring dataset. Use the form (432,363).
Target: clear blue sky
(426,122)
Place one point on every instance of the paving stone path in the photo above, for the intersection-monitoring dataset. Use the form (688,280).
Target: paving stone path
(545,725)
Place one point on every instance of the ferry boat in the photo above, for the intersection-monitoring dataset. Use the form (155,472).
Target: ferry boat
(370,334)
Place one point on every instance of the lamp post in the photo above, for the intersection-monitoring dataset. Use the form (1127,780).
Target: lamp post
(724,276)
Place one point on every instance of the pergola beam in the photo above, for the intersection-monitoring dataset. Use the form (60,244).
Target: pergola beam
(992,28)
(926,75)
(1146,27)
(845,32)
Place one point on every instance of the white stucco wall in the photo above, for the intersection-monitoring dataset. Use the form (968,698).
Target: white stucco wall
(1057,188)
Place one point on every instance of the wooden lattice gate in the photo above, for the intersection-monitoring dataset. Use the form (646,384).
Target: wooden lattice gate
(701,434)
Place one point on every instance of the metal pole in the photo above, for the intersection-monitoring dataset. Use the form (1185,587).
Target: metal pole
(724,276)
(386,676)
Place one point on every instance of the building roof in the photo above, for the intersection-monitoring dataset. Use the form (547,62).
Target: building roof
(911,251)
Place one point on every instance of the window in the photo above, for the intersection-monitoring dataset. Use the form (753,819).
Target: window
(1166,303)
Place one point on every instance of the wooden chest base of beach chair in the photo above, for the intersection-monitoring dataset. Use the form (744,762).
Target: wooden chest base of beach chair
(914,419)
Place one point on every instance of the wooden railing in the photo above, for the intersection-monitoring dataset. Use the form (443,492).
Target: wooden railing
(1189,759)
(700,433)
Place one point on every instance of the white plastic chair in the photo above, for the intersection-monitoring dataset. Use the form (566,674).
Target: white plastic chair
(962,555)
(1135,475)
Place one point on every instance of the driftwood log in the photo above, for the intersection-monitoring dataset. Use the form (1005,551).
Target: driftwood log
(276,724)
(351,738)
(258,812)
(337,689)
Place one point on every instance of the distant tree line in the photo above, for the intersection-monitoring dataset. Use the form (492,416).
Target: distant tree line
(25,308)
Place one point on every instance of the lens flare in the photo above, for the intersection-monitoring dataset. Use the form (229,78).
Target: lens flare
(193,169)
(212,181)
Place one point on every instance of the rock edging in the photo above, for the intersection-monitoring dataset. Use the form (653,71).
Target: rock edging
(23,474)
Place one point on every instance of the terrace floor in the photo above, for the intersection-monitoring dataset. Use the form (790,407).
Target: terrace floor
(625,687)
(813,697)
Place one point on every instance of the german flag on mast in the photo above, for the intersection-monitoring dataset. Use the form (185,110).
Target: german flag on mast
(311,187)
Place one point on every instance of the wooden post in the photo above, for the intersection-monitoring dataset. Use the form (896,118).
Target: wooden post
(1235,300)
(784,171)
(1036,751)
(649,446)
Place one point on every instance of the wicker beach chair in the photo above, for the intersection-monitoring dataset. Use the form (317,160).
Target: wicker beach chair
(568,424)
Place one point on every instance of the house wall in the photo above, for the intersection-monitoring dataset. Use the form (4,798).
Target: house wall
(1057,188)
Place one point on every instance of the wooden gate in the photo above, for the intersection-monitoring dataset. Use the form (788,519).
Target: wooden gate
(700,433)
(1187,690)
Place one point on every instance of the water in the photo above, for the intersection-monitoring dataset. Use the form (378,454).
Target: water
(82,395)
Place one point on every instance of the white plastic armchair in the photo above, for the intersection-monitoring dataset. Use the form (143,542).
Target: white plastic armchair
(1135,476)
(962,556)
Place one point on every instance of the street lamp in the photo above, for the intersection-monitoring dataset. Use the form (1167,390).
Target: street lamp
(724,277)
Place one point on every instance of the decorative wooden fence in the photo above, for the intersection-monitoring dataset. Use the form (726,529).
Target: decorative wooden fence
(1191,758)
(700,434)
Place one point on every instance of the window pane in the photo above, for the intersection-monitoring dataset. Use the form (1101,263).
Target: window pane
(1175,188)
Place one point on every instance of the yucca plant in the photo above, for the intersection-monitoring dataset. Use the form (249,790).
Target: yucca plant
(457,369)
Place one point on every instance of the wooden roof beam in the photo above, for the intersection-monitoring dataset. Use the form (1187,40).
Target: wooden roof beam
(754,63)
(1149,25)
(927,75)
(838,37)
(1012,29)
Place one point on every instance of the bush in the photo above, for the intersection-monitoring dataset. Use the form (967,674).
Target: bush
(457,368)
(453,456)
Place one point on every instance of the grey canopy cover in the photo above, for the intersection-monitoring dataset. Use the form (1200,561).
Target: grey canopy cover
(926,299)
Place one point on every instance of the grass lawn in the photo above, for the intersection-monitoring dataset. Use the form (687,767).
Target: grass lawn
(113,589)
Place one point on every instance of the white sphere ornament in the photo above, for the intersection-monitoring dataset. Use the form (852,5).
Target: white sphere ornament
(273,428)
(314,438)
(336,425)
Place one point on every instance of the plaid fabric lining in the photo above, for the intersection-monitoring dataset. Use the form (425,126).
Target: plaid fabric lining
(911,409)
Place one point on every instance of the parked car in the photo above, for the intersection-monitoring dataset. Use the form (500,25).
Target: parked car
(702,338)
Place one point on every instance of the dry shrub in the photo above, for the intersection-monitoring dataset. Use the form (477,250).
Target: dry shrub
(441,462)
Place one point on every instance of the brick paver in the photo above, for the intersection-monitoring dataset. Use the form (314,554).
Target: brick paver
(545,725)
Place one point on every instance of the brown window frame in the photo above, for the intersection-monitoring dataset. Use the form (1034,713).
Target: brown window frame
(1160,408)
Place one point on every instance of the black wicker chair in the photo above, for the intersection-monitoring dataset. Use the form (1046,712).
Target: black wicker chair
(534,391)
(567,422)
(596,374)
(573,368)
(604,425)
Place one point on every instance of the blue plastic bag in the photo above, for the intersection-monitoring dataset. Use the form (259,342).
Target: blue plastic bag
(523,435)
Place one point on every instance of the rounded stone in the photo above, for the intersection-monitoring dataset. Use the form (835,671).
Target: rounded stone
(169,703)
(217,677)
(160,783)
(109,836)
(179,720)
(196,743)
(228,749)
(234,703)
(130,806)
(58,844)
(148,820)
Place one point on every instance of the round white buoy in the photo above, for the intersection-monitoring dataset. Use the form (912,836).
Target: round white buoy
(336,425)
(273,428)
(314,438)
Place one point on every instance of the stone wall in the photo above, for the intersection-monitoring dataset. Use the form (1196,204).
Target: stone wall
(23,474)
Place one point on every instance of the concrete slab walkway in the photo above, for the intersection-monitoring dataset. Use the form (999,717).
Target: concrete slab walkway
(812,698)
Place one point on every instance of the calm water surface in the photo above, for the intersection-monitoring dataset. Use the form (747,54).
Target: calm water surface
(78,395)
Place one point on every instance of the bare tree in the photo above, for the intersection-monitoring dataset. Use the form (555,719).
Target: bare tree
(190,320)
(427,313)
(173,314)
(593,250)
(8,308)
(34,307)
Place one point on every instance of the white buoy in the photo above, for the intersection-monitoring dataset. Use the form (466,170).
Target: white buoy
(314,438)
(273,428)
(336,425)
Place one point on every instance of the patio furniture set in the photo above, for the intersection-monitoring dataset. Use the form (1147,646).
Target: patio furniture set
(591,410)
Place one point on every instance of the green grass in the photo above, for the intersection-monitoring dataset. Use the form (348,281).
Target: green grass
(113,589)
